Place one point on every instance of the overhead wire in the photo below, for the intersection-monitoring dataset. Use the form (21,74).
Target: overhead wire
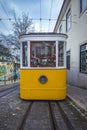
(50,14)
(22,19)
(40,17)
(33,19)
(6,15)
(4,9)
(11,19)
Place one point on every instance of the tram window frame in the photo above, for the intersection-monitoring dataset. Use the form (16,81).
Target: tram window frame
(83,58)
(24,54)
(44,60)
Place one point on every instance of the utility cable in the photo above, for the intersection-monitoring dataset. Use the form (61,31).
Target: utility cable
(40,17)
(50,15)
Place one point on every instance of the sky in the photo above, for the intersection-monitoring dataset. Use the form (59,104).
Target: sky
(46,10)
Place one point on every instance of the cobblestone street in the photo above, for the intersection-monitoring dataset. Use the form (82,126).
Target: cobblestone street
(17,114)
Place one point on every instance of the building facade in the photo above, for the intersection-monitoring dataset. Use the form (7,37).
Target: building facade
(72,21)
(9,65)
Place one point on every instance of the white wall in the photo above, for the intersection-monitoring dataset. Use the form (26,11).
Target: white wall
(77,35)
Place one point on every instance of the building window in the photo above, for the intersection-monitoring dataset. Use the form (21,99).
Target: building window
(60,29)
(25,54)
(68,20)
(61,54)
(68,60)
(83,5)
(83,58)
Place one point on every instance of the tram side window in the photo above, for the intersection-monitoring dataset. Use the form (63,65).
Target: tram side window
(43,54)
(24,54)
(61,54)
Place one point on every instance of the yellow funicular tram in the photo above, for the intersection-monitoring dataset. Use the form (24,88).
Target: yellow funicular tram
(43,66)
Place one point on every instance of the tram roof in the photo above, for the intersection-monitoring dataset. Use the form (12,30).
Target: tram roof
(43,33)
(43,36)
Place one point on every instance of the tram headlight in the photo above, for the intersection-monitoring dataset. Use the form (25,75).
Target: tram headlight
(43,79)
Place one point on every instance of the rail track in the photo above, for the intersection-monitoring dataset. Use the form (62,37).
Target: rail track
(59,115)
(49,115)
(22,125)
(7,91)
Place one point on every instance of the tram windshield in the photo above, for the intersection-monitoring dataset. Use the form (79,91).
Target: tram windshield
(43,54)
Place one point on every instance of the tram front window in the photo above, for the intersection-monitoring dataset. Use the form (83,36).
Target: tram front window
(43,54)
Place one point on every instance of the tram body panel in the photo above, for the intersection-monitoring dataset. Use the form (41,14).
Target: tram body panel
(53,89)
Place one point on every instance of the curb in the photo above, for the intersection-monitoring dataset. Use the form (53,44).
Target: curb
(78,103)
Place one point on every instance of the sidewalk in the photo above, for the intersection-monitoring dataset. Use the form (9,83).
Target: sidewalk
(78,95)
